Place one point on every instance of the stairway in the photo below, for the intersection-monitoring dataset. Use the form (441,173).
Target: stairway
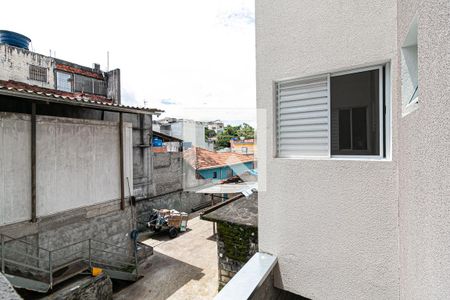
(31,267)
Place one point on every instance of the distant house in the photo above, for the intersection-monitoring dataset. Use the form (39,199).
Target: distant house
(191,132)
(246,146)
(208,165)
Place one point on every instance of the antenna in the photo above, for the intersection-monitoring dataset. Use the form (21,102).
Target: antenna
(107,61)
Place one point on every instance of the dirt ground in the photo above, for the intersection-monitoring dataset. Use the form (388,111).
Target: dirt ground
(181,268)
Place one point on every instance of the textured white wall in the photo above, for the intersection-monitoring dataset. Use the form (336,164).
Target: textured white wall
(332,223)
(424,157)
(77,164)
(15,62)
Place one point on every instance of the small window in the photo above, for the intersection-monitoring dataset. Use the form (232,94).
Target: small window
(340,114)
(63,81)
(38,73)
(410,70)
(214,174)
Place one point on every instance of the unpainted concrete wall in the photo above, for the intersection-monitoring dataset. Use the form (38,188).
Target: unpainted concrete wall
(332,223)
(15,62)
(77,164)
(167,172)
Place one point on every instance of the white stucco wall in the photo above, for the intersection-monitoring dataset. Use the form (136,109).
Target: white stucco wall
(424,157)
(15,62)
(77,164)
(332,223)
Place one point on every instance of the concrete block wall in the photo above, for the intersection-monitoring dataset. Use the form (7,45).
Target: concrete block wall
(167,172)
(102,222)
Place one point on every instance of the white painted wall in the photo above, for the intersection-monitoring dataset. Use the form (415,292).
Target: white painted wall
(424,157)
(15,62)
(332,223)
(77,164)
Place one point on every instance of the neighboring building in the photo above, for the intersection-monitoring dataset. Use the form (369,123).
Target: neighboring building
(191,132)
(21,65)
(162,143)
(237,233)
(70,163)
(357,170)
(205,166)
(216,125)
(246,146)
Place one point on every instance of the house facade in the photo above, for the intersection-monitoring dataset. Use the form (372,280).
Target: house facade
(245,146)
(203,166)
(354,96)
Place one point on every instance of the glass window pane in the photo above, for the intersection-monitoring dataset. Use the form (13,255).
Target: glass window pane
(345,141)
(355,119)
(359,128)
(63,82)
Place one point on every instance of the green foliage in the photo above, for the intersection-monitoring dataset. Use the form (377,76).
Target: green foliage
(223,139)
(236,240)
(209,133)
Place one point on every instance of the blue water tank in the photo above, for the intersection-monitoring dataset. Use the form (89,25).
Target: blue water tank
(14,39)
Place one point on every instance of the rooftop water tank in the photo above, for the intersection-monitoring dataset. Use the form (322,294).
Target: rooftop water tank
(14,39)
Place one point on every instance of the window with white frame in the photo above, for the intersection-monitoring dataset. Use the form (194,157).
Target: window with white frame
(334,115)
(410,70)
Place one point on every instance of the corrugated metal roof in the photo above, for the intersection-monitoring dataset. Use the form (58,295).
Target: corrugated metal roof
(22,90)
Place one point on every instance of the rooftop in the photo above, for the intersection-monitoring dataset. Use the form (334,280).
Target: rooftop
(202,159)
(32,92)
(238,210)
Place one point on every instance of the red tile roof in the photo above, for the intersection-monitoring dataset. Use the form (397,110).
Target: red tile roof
(15,88)
(37,89)
(201,159)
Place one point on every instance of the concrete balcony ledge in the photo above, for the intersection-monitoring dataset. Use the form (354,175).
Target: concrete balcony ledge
(252,275)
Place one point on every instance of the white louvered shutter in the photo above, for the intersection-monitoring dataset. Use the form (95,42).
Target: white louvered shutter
(303,118)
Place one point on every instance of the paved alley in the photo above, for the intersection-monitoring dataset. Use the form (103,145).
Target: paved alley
(181,268)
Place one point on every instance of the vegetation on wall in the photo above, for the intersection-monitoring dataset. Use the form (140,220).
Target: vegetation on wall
(237,240)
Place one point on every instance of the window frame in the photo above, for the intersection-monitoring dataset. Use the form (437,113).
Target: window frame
(385,117)
(34,73)
(71,83)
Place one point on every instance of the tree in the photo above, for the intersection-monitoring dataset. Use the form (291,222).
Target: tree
(209,133)
(246,131)
(229,132)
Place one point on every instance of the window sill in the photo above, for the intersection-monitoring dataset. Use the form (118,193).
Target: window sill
(337,158)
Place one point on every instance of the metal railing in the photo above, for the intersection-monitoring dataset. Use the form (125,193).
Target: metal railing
(23,259)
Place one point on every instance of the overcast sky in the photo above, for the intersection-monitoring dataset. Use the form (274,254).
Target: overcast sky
(192,58)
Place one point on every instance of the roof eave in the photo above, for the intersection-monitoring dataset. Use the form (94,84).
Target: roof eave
(80,103)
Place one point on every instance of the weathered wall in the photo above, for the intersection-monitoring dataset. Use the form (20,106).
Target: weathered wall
(88,288)
(236,244)
(7,292)
(102,222)
(336,220)
(424,150)
(15,62)
(167,172)
(77,164)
